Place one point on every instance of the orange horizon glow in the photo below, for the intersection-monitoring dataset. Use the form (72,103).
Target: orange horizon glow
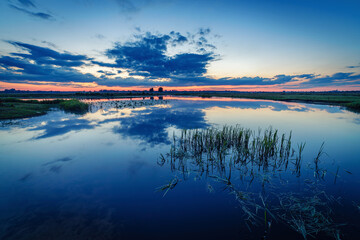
(94,87)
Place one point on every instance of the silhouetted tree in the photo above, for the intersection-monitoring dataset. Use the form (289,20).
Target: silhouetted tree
(151,90)
(161,89)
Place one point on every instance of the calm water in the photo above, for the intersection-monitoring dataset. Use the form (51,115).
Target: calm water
(94,176)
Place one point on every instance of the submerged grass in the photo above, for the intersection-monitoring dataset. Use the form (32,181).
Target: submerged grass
(11,108)
(221,153)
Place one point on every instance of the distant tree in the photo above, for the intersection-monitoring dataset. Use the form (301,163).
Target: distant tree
(151,90)
(161,89)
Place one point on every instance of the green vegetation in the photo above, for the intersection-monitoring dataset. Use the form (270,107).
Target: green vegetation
(11,108)
(74,106)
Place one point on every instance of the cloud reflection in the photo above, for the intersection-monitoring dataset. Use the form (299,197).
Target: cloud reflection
(58,128)
(150,125)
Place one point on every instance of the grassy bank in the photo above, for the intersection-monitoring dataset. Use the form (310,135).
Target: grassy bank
(11,108)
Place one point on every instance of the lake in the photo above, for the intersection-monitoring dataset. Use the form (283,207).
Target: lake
(113,173)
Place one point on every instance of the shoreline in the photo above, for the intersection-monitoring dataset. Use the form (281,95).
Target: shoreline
(12,107)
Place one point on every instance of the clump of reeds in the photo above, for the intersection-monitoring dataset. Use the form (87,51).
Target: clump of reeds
(211,148)
(74,106)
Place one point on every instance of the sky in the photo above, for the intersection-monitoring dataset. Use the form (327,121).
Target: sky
(258,45)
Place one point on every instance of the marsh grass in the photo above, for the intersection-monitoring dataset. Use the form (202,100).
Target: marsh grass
(261,157)
(74,106)
(11,108)
(233,148)
(124,104)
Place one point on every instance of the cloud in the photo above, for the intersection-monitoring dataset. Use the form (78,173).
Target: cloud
(50,44)
(43,64)
(103,64)
(41,15)
(353,66)
(26,3)
(134,6)
(151,125)
(26,71)
(127,6)
(149,59)
(147,56)
(42,52)
(58,128)
(336,79)
(99,36)
(106,73)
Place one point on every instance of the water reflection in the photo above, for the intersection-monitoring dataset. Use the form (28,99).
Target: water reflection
(60,160)
(151,125)
(202,103)
(267,160)
(60,127)
(99,181)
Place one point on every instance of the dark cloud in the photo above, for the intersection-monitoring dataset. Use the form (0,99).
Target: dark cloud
(28,71)
(337,79)
(147,56)
(41,15)
(353,66)
(102,64)
(199,39)
(106,73)
(177,38)
(26,3)
(133,6)
(37,52)
(50,44)
(43,64)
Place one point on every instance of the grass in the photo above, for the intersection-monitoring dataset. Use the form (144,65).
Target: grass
(74,106)
(260,158)
(12,108)
(237,144)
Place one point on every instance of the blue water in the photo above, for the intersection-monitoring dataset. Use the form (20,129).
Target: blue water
(94,176)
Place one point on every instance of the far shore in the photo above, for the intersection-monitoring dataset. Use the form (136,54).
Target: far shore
(11,105)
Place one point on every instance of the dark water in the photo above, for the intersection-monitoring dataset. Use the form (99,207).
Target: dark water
(94,176)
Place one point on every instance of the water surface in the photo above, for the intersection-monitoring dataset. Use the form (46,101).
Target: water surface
(94,176)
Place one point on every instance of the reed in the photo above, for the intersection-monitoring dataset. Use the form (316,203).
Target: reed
(222,153)
(213,148)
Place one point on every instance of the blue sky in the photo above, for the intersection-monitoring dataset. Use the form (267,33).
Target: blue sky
(242,45)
